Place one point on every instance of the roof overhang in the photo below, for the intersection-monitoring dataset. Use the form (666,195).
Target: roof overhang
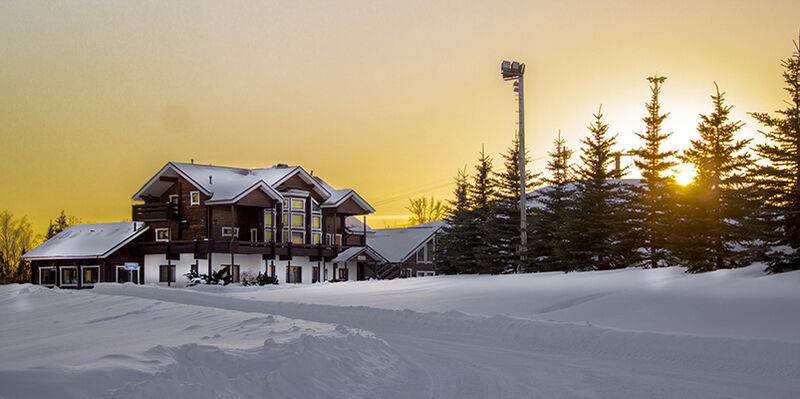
(306,177)
(156,180)
(263,186)
(353,252)
(356,198)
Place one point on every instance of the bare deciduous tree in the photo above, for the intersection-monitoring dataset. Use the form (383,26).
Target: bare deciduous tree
(424,210)
(16,238)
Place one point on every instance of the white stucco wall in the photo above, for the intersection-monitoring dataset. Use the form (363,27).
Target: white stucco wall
(250,263)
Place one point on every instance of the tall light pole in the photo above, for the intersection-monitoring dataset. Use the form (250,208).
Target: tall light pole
(515,71)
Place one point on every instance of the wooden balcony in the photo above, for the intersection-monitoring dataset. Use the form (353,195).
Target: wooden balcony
(156,212)
(268,250)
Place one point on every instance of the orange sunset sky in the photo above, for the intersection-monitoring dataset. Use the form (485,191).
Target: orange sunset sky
(389,98)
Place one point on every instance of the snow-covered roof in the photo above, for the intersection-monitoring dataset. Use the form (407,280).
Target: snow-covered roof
(356,226)
(338,197)
(352,252)
(91,240)
(396,245)
(227,185)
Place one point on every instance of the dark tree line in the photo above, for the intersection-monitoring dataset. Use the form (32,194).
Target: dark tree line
(738,210)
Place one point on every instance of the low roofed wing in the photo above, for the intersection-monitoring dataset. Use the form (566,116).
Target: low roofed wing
(91,240)
(352,253)
(396,245)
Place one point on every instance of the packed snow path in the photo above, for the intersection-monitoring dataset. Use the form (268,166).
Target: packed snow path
(385,353)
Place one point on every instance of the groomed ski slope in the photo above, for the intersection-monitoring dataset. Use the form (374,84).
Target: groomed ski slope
(622,334)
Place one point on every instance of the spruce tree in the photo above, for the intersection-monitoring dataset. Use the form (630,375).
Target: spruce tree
(715,210)
(482,191)
(548,245)
(778,182)
(505,210)
(653,198)
(453,254)
(596,224)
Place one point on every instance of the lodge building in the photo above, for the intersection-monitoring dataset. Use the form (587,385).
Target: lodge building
(282,221)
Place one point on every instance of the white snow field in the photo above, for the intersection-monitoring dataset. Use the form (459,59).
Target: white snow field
(616,334)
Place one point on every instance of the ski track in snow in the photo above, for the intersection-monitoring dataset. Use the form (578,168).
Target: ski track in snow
(220,345)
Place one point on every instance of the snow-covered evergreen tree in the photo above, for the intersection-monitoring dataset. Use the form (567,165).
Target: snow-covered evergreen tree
(715,209)
(597,223)
(453,254)
(505,210)
(778,181)
(653,199)
(548,244)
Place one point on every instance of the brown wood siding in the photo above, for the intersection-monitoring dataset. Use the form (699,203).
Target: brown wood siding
(194,215)
(350,207)
(257,198)
(296,182)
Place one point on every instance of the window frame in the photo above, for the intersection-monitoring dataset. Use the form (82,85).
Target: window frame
(194,198)
(82,277)
(61,271)
(54,269)
(235,231)
(174,196)
(132,274)
(253,234)
(170,274)
(302,237)
(160,230)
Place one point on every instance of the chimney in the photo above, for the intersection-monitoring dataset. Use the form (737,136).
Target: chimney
(209,180)
(192,161)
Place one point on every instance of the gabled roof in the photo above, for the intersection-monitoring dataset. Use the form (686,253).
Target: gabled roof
(338,197)
(91,240)
(352,252)
(397,245)
(227,185)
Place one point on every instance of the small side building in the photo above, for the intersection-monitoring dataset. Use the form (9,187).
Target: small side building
(85,254)
(409,250)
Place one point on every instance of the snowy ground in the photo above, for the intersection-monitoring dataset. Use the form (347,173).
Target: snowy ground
(621,334)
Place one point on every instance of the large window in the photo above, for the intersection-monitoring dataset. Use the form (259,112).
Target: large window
(47,276)
(127,276)
(294,274)
(166,274)
(425,253)
(269,224)
(69,276)
(298,237)
(90,275)
(294,220)
(162,234)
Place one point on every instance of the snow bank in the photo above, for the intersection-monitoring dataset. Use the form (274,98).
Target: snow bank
(77,344)
(740,303)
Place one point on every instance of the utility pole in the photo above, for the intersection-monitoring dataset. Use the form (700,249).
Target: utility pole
(515,71)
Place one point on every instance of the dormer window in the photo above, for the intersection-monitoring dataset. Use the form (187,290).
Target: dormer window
(194,198)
